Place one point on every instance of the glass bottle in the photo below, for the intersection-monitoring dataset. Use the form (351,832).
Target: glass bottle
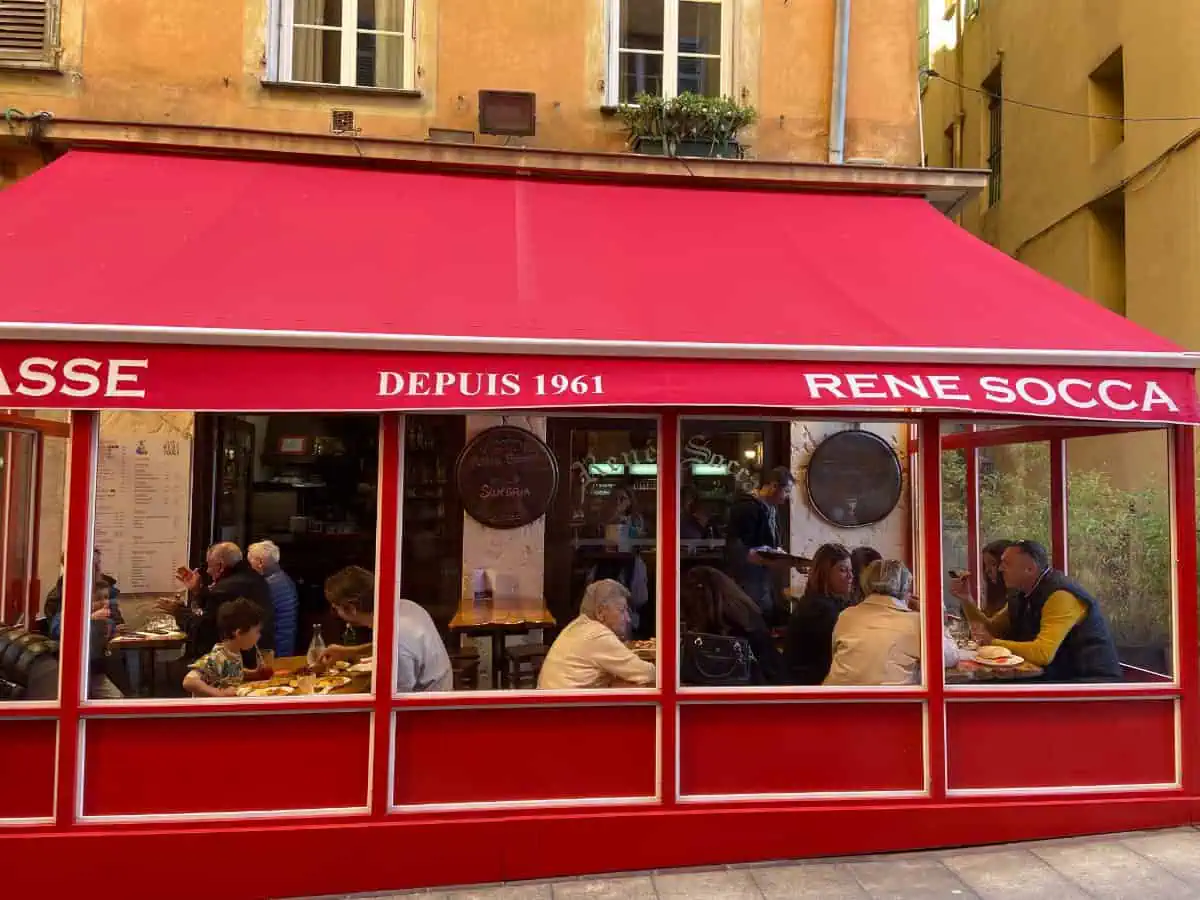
(316,647)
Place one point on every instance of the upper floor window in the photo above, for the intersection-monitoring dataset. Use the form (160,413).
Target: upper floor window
(29,33)
(669,47)
(350,43)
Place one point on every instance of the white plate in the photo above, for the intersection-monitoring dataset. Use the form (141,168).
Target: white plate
(250,690)
(1007,663)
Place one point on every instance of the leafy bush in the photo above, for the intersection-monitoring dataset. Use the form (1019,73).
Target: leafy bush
(1119,540)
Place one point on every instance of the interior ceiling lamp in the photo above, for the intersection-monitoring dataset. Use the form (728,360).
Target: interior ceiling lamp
(509,113)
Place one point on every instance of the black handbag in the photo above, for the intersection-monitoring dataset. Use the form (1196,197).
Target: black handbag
(716,660)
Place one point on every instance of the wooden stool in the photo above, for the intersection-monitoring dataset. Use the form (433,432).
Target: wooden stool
(465,665)
(525,664)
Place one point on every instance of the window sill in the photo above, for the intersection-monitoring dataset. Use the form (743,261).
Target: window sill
(38,66)
(307,86)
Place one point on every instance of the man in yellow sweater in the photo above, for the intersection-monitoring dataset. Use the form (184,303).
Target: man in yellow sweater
(1049,620)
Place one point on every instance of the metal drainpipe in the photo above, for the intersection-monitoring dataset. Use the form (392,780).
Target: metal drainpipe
(841,65)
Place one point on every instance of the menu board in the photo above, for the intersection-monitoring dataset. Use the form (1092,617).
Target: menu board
(143,500)
(506,477)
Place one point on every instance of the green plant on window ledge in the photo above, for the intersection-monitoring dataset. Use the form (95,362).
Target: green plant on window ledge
(687,125)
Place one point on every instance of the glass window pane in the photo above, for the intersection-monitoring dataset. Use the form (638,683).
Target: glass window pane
(700,28)
(641,73)
(501,554)
(317,12)
(30,556)
(317,55)
(642,24)
(1119,542)
(381,15)
(254,615)
(699,75)
(380,61)
(768,592)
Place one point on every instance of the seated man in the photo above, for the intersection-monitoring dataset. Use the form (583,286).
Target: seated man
(231,578)
(422,663)
(1049,620)
(589,652)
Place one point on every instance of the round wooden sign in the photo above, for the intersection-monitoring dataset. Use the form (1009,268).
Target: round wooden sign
(854,479)
(506,477)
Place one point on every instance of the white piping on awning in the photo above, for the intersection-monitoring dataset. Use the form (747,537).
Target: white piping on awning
(423,343)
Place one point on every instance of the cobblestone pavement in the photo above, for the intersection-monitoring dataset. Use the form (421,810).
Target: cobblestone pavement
(1134,866)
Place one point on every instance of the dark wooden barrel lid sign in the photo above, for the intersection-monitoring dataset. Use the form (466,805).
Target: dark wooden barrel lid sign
(854,479)
(506,477)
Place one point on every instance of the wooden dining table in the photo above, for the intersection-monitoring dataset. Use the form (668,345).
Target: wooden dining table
(147,646)
(497,624)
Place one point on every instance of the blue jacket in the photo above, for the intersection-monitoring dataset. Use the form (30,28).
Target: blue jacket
(285,603)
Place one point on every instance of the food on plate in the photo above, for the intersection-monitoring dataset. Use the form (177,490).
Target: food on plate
(650,644)
(271,690)
(994,653)
(997,656)
(330,682)
(341,664)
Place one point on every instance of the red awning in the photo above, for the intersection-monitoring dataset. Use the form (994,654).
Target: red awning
(146,248)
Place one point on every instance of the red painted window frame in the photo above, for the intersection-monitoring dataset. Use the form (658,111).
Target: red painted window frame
(72,709)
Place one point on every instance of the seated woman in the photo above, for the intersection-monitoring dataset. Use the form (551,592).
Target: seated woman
(878,641)
(712,603)
(995,591)
(808,647)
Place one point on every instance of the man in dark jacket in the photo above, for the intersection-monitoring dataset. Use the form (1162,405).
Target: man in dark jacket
(231,577)
(1050,620)
(754,524)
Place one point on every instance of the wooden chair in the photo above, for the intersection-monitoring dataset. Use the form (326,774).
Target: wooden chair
(464,662)
(524,665)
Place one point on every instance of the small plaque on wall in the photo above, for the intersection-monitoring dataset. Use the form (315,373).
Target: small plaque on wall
(506,477)
(854,479)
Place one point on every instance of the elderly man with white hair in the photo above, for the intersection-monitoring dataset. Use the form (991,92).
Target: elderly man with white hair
(230,578)
(264,559)
(879,641)
(590,653)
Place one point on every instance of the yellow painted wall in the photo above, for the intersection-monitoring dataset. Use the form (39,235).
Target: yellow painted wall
(1053,177)
(1050,214)
(202,62)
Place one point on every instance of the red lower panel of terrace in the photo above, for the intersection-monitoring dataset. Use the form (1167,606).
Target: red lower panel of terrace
(1049,744)
(522,754)
(27,759)
(226,763)
(816,747)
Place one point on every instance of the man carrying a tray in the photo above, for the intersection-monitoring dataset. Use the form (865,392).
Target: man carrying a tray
(754,526)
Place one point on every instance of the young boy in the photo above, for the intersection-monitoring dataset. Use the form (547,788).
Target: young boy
(219,672)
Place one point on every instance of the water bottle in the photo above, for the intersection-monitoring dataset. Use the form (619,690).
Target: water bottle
(316,647)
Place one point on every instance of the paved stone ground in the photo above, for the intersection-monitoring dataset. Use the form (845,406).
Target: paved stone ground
(1134,866)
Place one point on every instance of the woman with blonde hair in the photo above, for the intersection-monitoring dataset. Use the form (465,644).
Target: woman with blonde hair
(878,642)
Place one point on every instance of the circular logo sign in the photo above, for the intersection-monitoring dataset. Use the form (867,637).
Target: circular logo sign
(506,477)
(854,479)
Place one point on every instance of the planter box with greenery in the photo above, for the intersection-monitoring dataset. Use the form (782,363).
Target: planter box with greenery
(687,125)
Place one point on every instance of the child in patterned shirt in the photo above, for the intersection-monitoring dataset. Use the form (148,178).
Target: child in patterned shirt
(219,672)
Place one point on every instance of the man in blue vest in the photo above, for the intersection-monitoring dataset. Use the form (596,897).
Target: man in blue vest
(1050,620)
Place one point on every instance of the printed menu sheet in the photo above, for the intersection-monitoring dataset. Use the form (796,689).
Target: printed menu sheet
(143,501)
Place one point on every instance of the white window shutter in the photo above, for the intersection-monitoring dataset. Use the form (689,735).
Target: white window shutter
(26,29)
